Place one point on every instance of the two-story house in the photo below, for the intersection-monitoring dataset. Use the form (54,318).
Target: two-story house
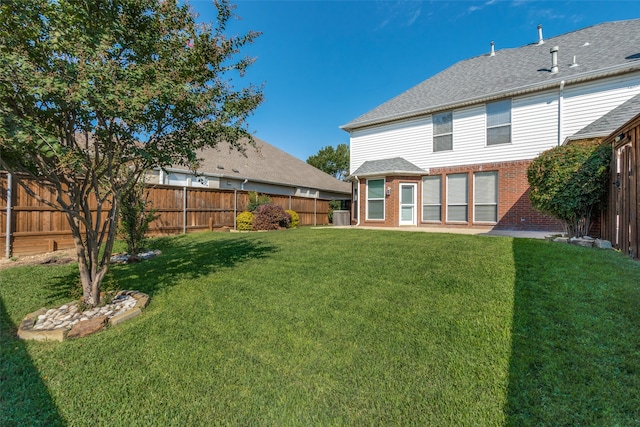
(454,149)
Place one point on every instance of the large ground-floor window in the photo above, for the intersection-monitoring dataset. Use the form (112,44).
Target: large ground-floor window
(485,197)
(375,198)
(432,198)
(457,197)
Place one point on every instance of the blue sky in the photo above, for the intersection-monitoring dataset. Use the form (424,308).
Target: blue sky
(324,63)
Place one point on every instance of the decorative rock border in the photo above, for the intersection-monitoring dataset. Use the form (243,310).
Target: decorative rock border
(67,321)
(586,241)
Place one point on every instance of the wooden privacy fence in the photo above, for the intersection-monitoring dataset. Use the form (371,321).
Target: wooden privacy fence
(34,227)
(622,220)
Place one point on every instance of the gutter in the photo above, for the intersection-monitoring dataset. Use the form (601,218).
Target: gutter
(521,90)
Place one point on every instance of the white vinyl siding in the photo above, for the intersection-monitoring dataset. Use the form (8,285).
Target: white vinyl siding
(485,197)
(443,131)
(375,199)
(499,122)
(534,127)
(432,198)
(585,103)
(409,139)
(457,197)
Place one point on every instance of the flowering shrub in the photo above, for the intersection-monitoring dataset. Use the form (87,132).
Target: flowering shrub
(244,221)
(295,218)
(270,217)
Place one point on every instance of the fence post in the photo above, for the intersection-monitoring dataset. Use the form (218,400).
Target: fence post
(7,235)
(235,208)
(315,211)
(184,210)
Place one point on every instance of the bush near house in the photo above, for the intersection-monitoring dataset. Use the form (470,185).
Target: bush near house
(244,221)
(295,218)
(270,217)
(569,182)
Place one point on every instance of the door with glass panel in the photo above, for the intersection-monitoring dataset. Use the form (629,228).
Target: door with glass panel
(408,204)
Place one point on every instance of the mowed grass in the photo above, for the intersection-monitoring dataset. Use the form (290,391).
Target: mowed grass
(339,327)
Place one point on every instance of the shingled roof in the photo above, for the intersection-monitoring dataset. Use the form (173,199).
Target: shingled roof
(393,166)
(265,163)
(601,50)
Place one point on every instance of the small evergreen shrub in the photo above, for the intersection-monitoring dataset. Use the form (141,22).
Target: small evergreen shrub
(135,217)
(256,199)
(295,218)
(270,217)
(244,221)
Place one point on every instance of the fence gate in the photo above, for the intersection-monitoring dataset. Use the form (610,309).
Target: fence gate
(624,227)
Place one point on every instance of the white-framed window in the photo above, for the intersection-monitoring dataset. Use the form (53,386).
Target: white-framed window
(457,197)
(432,198)
(499,122)
(355,201)
(485,197)
(443,131)
(375,198)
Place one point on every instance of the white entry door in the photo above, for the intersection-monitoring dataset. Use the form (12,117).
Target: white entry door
(408,204)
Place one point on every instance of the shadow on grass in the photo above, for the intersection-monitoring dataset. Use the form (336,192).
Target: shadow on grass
(24,398)
(575,357)
(185,257)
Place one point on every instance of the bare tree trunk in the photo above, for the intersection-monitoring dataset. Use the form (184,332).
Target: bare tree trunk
(91,265)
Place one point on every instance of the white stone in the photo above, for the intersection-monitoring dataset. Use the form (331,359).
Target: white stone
(603,244)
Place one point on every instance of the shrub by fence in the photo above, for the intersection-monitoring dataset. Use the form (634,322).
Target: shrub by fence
(34,227)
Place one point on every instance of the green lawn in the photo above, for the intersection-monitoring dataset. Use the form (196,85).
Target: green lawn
(338,327)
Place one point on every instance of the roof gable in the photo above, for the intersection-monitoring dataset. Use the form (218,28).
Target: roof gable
(599,50)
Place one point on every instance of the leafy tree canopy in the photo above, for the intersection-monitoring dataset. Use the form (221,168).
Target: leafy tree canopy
(570,181)
(94,93)
(334,161)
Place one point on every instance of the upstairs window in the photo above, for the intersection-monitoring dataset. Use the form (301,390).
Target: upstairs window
(499,122)
(443,131)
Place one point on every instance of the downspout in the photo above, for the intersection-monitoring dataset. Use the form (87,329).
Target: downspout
(7,236)
(560,98)
(358,187)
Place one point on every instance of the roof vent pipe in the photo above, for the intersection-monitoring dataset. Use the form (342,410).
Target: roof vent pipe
(574,63)
(540,39)
(493,50)
(554,59)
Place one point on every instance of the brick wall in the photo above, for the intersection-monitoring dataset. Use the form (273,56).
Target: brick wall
(514,209)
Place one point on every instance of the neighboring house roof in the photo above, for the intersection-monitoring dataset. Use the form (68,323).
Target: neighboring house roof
(395,166)
(601,50)
(264,163)
(611,121)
